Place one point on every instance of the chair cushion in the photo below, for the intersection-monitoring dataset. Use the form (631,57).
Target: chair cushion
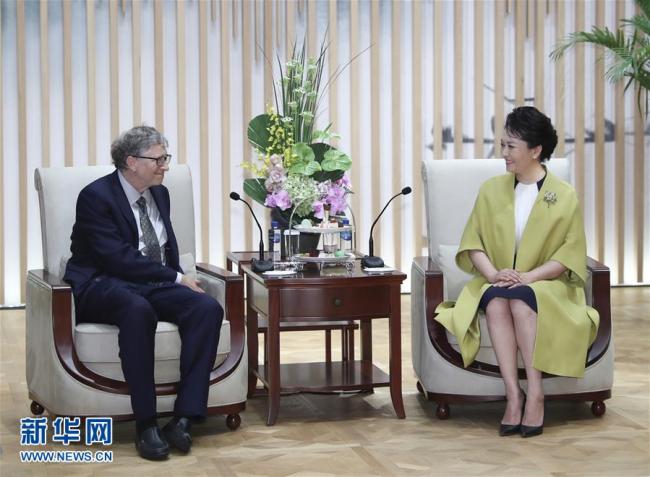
(97,348)
(454,278)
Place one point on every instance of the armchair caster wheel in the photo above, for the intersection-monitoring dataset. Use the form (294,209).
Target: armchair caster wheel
(420,388)
(598,408)
(36,408)
(443,411)
(233,421)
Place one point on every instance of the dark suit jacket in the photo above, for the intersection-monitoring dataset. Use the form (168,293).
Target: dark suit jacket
(105,238)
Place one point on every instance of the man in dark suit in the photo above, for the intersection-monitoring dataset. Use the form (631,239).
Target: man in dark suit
(125,271)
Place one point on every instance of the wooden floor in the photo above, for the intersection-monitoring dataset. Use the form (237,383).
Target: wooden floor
(358,434)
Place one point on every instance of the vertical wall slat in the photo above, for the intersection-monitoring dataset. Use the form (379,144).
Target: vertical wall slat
(90,78)
(160,59)
(180,84)
(233,19)
(225,124)
(559,82)
(45,86)
(639,187)
(418,143)
(269,97)
(136,48)
(290,25)
(579,99)
(458,80)
(479,40)
(2,180)
(437,80)
(520,66)
(22,142)
(540,57)
(67,82)
(114,65)
(374,122)
(355,149)
(332,64)
(396,118)
(599,157)
(311,28)
(499,76)
(620,206)
(204,126)
(247,74)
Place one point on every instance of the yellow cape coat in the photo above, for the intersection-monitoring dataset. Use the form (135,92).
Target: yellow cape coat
(566,326)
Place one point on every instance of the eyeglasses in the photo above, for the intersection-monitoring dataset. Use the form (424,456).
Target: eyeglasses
(161,161)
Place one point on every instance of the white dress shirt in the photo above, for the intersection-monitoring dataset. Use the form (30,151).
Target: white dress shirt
(132,195)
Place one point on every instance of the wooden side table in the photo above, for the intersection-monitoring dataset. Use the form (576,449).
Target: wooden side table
(311,296)
(347,327)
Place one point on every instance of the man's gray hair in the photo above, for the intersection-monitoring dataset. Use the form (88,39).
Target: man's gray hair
(135,142)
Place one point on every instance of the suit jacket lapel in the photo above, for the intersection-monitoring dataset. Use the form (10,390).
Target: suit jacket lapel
(124,206)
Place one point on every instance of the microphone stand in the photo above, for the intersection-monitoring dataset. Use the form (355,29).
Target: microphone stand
(370,261)
(261,265)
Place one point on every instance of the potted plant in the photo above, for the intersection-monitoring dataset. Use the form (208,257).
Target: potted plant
(298,174)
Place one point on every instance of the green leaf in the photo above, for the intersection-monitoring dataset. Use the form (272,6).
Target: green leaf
(254,188)
(258,134)
(305,168)
(304,152)
(336,160)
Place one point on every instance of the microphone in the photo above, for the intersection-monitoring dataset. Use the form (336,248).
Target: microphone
(261,265)
(370,261)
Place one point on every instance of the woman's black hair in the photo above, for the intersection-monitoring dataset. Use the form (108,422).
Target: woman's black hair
(529,124)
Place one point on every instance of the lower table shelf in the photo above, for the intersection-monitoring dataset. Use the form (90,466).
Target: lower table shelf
(333,376)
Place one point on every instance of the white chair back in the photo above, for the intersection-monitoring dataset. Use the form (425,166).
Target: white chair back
(58,189)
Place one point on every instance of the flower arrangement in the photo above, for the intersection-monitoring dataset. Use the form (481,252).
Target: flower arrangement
(297,172)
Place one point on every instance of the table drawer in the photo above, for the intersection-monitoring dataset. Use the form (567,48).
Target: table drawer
(335,302)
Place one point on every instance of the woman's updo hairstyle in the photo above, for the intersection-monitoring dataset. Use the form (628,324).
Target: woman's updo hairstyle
(529,124)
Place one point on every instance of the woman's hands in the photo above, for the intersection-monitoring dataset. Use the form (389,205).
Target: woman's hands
(510,278)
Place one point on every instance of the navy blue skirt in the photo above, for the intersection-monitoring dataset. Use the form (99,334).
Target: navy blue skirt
(524,293)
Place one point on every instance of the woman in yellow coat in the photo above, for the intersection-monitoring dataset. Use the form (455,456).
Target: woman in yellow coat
(525,244)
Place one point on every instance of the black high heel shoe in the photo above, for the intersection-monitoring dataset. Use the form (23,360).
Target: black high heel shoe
(512,429)
(532,431)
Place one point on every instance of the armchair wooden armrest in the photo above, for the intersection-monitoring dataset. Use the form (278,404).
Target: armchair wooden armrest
(600,287)
(234,298)
(62,326)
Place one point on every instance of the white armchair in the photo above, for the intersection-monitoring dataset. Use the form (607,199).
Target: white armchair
(450,188)
(74,369)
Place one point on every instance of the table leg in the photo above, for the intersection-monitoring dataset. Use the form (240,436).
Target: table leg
(365,333)
(251,339)
(273,357)
(395,352)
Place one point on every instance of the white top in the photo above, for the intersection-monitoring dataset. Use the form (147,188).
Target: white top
(525,195)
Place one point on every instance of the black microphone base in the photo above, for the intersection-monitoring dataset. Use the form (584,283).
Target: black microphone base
(261,266)
(371,262)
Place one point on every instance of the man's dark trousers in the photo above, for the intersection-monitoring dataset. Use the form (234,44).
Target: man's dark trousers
(135,309)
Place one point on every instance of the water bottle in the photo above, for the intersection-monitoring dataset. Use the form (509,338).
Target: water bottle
(346,237)
(275,244)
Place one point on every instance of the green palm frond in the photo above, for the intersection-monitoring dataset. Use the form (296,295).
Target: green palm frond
(628,49)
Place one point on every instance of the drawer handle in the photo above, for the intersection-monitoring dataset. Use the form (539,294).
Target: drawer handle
(337,302)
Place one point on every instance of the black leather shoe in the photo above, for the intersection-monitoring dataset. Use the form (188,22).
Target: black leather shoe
(530,431)
(509,429)
(177,433)
(151,444)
